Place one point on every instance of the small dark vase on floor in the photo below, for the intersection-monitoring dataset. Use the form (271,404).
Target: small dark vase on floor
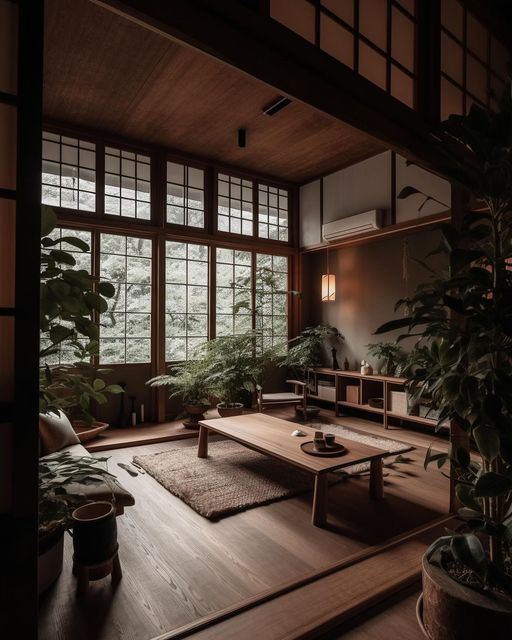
(121,420)
(94,533)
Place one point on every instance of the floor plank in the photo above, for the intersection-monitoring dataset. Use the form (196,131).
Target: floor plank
(178,566)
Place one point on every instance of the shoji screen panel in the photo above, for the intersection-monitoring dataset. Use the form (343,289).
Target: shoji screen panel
(8,157)
(21,73)
(473,61)
(375,38)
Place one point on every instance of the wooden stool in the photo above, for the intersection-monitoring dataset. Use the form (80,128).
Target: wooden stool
(85,573)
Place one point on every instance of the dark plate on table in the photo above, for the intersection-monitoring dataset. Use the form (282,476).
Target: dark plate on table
(334,450)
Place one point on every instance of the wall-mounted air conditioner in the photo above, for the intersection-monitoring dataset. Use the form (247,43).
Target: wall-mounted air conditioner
(353,225)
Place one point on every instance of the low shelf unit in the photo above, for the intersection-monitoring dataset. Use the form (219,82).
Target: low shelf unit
(351,391)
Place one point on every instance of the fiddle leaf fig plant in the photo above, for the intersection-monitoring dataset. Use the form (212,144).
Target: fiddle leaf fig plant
(463,322)
(70,298)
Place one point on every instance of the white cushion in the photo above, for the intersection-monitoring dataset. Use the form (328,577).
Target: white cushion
(55,432)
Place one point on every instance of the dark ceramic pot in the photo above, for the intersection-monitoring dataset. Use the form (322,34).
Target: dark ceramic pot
(450,610)
(94,533)
(228,410)
(195,412)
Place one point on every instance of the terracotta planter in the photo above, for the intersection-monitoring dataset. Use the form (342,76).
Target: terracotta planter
(87,432)
(452,611)
(228,410)
(49,561)
(195,412)
(94,533)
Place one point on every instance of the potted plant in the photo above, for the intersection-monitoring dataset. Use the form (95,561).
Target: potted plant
(464,324)
(70,298)
(60,477)
(230,366)
(190,382)
(390,355)
(306,352)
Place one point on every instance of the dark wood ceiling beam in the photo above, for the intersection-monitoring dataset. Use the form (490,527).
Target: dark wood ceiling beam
(268,51)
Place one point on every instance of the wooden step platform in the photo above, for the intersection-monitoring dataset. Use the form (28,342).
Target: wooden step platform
(325,600)
(144,434)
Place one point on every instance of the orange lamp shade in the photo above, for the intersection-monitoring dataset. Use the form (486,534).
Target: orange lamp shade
(328,287)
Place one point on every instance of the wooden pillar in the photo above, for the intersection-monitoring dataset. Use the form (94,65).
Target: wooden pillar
(458,437)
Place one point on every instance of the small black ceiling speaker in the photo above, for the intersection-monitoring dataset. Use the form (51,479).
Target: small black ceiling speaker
(242,137)
(276,105)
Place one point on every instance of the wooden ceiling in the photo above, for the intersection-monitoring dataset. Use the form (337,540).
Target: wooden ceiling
(107,74)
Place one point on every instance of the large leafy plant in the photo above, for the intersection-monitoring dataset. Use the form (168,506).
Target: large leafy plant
(234,363)
(61,477)
(307,350)
(71,302)
(188,381)
(463,321)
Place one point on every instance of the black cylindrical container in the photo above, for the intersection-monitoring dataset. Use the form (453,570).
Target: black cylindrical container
(94,533)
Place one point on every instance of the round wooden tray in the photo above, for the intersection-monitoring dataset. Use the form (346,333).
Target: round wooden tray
(336,450)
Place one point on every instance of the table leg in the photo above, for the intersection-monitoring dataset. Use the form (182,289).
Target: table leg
(320,500)
(202,449)
(376,479)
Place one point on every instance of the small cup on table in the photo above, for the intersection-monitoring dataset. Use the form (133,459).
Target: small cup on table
(330,439)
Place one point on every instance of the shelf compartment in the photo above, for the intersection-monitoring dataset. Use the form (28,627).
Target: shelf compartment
(418,419)
(362,407)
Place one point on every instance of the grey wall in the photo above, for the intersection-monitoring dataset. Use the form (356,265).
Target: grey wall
(365,186)
(369,280)
(362,187)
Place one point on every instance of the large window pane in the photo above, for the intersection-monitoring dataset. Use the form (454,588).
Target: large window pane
(272,213)
(185,195)
(235,205)
(125,330)
(271,291)
(233,292)
(69,172)
(127,184)
(186,299)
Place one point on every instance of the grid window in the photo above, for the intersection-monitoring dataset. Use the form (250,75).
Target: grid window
(125,330)
(234,283)
(272,298)
(185,195)
(235,205)
(375,38)
(65,354)
(186,299)
(272,213)
(69,172)
(127,184)
(473,62)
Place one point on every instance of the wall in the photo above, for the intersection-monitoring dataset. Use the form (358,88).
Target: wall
(369,185)
(135,377)
(369,280)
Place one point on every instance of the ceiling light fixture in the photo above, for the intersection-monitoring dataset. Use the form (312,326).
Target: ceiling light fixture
(328,284)
(276,105)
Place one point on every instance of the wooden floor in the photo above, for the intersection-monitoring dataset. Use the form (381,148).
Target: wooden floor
(179,567)
(392,619)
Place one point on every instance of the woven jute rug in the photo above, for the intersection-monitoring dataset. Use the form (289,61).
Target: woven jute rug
(234,478)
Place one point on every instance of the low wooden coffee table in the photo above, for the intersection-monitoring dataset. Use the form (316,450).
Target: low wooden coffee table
(272,436)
